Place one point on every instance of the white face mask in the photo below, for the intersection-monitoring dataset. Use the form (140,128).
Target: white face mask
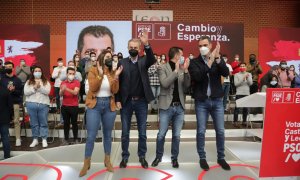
(76,59)
(204,50)
(163,57)
(22,63)
(191,57)
(181,60)
(71,77)
(60,64)
(225,59)
(93,58)
(37,75)
(273,83)
(236,58)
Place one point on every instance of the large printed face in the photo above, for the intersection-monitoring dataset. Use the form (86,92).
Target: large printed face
(95,44)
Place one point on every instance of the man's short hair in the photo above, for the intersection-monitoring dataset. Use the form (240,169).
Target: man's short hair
(135,40)
(242,63)
(205,37)
(70,69)
(173,51)
(97,31)
(59,59)
(8,63)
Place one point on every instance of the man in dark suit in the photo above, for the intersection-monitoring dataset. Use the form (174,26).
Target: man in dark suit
(134,95)
(174,80)
(206,71)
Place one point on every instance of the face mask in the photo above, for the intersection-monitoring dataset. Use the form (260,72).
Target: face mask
(22,63)
(8,71)
(242,69)
(273,83)
(181,60)
(77,59)
(37,75)
(133,52)
(108,63)
(120,57)
(163,57)
(204,50)
(71,77)
(87,56)
(236,58)
(252,60)
(60,64)
(225,59)
(283,66)
(292,69)
(93,58)
(191,57)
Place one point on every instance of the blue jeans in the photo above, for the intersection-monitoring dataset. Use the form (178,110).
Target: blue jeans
(214,107)
(226,87)
(140,107)
(155,91)
(4,132)
(175,114)
(101,113)
(38,114)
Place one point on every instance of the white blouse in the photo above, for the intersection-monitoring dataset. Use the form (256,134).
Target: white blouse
(104,89)
(40,95)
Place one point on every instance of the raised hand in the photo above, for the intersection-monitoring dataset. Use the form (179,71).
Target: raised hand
(186,64)
(144,37)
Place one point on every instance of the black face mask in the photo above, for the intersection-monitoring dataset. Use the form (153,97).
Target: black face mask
(252,60)
(8,71)
(133,52)
(108,63)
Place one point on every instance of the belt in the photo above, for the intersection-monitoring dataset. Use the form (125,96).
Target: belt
(135,98)
(175,104)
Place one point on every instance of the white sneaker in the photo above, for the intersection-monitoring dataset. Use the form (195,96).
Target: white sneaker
(34,143)
(45,144)
(18,142)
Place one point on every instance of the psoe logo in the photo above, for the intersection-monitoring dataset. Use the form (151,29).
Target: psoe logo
(162,31)
(288,97)
(277,97)
(140,27)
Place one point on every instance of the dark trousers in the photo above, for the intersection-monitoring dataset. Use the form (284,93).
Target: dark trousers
(236,110)
(140,107)
(57,97)
(4,131)
(70,113)
(254,87)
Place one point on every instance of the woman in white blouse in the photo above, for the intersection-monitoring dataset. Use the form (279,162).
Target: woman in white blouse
(36,91)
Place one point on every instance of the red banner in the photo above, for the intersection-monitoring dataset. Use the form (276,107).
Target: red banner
(281,138)
(164,35)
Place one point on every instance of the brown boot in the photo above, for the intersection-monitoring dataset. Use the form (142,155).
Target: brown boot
(86,167)
(108,164)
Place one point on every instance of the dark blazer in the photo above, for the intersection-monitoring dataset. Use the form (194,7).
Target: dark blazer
(6,106)
(144,63)
(198,71)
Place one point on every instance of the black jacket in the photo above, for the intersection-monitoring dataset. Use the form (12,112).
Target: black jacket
(6,106)
(144,63)
(18,92)
(198,71)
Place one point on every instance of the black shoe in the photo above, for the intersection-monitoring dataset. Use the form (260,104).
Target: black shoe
(204,165)
(156,162)
(175,163)
(144,163)
(123,163)
(224,164)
